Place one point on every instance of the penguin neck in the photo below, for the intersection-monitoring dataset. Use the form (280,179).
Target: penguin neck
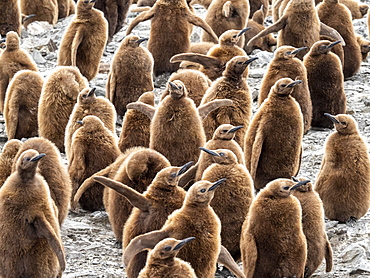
(235,77)
(159,262)
(85,13)
(27,175)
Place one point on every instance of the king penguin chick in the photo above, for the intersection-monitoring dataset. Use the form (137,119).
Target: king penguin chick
(12,60)
(231,202)
(285,65)
(357,11)
(364,46)
(161,261)
(318,245)
(41,11)
(93,148)
(10,17)
(273,243)
(89,104)
(196,217)
(151,208)
(275,135)
(326,83)
(343,182)
(232,85)
(131,73)
(30,242)
(83,42)
(7,156)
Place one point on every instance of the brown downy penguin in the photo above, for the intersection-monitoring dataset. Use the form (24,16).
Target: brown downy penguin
(58,97)
(21,104)
(89,104)
(53,171)
(129,59)
(7,156)
(65,8)
(175,114)
(275,135)
(232,85)
(196,217)
(224,15)
(136,126)
(364,46)
(231,202)
(115,12)
(299,26)
(357,11)
(273,243)
(259,5)
(12,60)
(151,208)
(93,148)
(84,40)
(214,63)
(44,10)
(161,260)
(10,17)
(285,65)
(343,182)
(337,16)
(326,83)
(313,224)
(175,17)
(30,242)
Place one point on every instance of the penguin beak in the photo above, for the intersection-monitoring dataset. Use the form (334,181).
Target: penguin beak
(92,92)
(295,179)
(184,168)
(209,151)
(294,83)
(235,129)
(37,158)
(294,187)
(250,60)
(183,242)
(173,85)
(141,40)
(27,17)
(92,1)
(80,122)
(333,44)
(243,31)
(217,183)
(332,118)
(298,50)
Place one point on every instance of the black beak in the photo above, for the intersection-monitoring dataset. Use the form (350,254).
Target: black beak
(173,85)
(80,122)
(294,83)
(37,158)
(250,60)
(92,92)
(183,242)
(209,151)
(235,129)
(217,183)
(184,168)
(298,50)
(243,31)
(332,118)
(142,40)
(333,44)
(299,184)
(295,179)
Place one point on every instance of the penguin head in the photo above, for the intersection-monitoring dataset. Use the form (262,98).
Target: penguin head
(281,188)
(28,160)
(168,248)
(176,89)
(87,96)
(303,188)
(286,52)
(12,41)
(169,176)
(284,86)
(221,156)
(231,37)
(202,192)
(91,123)
(225,132)
(322,47)
(84,5)
(363,9)
(237,65)
(344,124)
(364,45)
(133,41)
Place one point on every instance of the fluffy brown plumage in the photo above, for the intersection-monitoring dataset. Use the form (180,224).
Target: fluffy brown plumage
(7,156)
(66,8)
(44,10)
(30,242)
(275,136)
(273,243)
(131,73)
(357,11)
(84,40)
(58,97)
(343,182)
(10,17)
(53,170)
(364,46)
(21,105)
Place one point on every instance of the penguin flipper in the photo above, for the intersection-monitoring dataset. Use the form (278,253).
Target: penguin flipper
(197,21)
(135,198)
(143,108)
(328,257)
(188,178)
(227,260)
(110,88)
(140,18)
(250,255)
(142,242)
(207,108)
(11,118)
(202,59)
(227,9)
(258,16)
(45,230)
(326,30)
(78,38)
(256,152)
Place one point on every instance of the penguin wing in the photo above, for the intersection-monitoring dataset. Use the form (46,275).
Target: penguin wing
(77,165)
(111,86)
(188,178)
(135,198)
(328,256)
(45,230)
(197,21)
(202,59)
(251,254)
(256,152)
(142,242)
(10,117)
(227,9)
(227,260)
(141,17)
(326,30)
(78,38)
(143,108)
(207,108)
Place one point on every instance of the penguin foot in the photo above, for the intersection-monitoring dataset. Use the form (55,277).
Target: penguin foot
(351,221)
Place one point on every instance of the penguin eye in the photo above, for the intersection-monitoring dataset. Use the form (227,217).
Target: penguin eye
(286,187)
(234,36)
(203,190)
(343,123)
(173,175)
(222,154)
(224,131)
(28,158)
(180,87)
(167,248)
(86,2)
(239,63)
(284,85)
